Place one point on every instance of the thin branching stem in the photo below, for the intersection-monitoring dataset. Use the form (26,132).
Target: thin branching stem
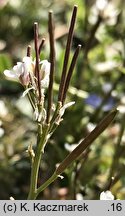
(67,53)
(41,45)
(91,37)
(52,62)
(37,69)
(111,183)
(29,51)
(70,71)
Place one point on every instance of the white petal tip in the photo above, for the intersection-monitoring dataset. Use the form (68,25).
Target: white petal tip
(9,74)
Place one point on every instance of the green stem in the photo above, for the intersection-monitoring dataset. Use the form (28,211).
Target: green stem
(47,183)
(41,140)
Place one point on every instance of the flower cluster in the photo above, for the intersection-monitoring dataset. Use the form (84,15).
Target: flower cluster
(24,72)
(36,76)
(25,69)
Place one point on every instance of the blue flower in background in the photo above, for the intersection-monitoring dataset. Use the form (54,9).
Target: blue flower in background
(95,100)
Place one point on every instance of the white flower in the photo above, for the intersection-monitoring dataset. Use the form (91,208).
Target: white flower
(21,71)
(107,195)
(62,110)
(45,72)
(101,5)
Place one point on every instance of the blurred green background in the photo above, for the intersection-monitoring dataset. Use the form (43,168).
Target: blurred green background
(97,86)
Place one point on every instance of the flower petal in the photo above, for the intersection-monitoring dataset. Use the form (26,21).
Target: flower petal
(45,66)
(18,69)
(27,60)
(10,74)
